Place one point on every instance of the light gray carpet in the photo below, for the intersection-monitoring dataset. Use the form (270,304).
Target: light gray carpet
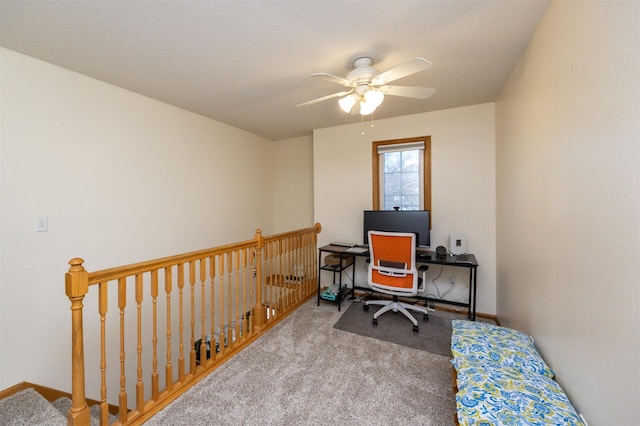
(434,335)
(304,371)
(29,408)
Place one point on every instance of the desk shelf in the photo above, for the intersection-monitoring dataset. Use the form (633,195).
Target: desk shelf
(345,261)
(331,293)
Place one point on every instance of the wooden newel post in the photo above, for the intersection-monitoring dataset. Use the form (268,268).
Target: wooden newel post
(260,314)
(76,283)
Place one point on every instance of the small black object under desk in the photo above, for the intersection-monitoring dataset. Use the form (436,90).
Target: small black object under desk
(467,260)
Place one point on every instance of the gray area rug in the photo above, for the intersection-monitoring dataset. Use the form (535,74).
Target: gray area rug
(434,335)
(306,372)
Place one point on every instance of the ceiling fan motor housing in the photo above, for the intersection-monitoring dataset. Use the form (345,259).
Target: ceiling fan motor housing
(362,72)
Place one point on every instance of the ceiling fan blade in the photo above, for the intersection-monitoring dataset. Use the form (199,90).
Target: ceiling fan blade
(408,91)
(333,78)
(324,98)
(411,67)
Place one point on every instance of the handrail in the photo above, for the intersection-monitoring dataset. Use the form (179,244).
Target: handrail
(216,301)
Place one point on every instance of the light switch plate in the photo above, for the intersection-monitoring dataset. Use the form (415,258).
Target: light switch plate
(42,224)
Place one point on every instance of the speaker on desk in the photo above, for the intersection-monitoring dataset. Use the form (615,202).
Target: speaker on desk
(457,243)
(441,251)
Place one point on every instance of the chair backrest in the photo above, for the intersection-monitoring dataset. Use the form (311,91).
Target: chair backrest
(392,267)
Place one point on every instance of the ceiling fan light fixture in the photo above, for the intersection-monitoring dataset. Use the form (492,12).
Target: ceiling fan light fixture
(347,102)
(367,108)
(374,97)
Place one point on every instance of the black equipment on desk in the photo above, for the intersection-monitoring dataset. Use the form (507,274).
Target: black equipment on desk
(410,221)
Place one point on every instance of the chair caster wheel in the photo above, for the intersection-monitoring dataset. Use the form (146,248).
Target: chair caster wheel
(375,321)
(415,328)
(365,307)
(425,317)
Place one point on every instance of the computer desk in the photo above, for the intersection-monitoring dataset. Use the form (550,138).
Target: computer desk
(422,257)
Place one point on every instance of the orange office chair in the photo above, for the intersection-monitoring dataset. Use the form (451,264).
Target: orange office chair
(392,270)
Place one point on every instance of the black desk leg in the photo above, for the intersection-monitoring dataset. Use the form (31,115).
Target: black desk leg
(319,273)
(470,293)
(339,283)
(471,314)
(475,290)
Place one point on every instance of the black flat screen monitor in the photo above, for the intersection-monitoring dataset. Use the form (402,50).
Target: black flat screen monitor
(415,221)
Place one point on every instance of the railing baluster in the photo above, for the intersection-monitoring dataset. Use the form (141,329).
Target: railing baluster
(229,324)
(140,383)
(154,300)
(291,271)
(295,266)
(222,338)
(122,304)
(236,268)
(259,316)
(284,271)
(203,313)
(276,272)
(168,368)
(252,284)
(266,253)
(192,285)
(181,360)
(212,278)
(102,308)
(243,318)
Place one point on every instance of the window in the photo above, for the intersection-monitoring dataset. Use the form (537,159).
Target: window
(402,174)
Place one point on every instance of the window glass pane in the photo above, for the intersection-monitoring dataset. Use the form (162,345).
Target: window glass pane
(411,183)
(392,201)
(411,202)
(410,161)
(392,183)
(402,179)
(392,162)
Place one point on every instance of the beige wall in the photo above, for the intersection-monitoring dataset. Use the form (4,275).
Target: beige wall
(293,183)
(568,161)
(122,178)
(463,184)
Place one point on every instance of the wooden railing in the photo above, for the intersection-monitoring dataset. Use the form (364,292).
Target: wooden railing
(189,313)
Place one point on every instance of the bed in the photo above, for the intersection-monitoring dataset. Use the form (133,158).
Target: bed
(501,379)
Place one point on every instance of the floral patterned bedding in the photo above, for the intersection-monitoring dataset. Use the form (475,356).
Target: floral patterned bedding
(475,343)
(502,379)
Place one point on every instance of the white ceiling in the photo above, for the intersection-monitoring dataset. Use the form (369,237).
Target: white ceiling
(247,62)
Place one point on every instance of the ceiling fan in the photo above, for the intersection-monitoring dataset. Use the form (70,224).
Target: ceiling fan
(367,86)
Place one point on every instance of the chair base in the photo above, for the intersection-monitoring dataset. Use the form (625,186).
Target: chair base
(396,306)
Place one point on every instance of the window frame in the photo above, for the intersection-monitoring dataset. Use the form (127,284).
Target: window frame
(426,172)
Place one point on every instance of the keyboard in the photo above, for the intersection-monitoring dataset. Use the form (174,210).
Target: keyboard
(357,249)
(341,244)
